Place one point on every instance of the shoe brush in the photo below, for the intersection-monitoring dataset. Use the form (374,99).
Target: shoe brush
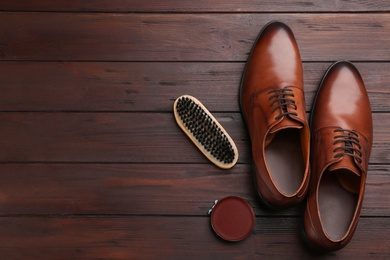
(205,131)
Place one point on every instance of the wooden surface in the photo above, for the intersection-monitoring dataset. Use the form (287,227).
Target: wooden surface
(93,165)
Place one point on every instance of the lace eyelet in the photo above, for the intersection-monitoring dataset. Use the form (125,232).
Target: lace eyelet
(283,99)
(351,145)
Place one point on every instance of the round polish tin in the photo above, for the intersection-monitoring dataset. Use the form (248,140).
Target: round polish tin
(232,218)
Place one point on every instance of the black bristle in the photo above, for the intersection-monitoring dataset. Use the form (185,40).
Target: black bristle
(205,130)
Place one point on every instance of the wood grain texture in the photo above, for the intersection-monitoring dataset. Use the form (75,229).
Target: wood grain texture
(128,137)
(151,189)
(173,238)
(186,37)
(92,163)
(197,6)
(145,86)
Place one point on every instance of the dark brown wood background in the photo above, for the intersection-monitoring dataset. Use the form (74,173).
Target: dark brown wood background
(93,165)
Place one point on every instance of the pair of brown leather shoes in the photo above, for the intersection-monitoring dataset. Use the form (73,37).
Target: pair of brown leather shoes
(339,142)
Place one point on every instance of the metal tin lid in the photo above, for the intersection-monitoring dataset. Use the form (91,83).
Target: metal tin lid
(232,218)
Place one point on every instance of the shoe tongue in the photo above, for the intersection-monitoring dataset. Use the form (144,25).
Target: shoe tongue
(346,163)
(287,122)
(348,174)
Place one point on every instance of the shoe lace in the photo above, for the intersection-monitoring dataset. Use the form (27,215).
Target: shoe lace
(351,145)
(282,98)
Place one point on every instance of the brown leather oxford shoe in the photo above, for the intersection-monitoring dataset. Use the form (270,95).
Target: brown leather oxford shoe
(340,148)
(273,107)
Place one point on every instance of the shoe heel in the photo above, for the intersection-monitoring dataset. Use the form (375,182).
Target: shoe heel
(262,201)
(313,248)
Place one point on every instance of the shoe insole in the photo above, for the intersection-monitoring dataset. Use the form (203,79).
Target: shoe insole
(336,205)
(285,161)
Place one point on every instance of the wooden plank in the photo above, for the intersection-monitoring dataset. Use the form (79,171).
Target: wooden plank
(145,86)
(144,189)
(186,37)
(103,137)
(198,6)
(173,238)
(127,137)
